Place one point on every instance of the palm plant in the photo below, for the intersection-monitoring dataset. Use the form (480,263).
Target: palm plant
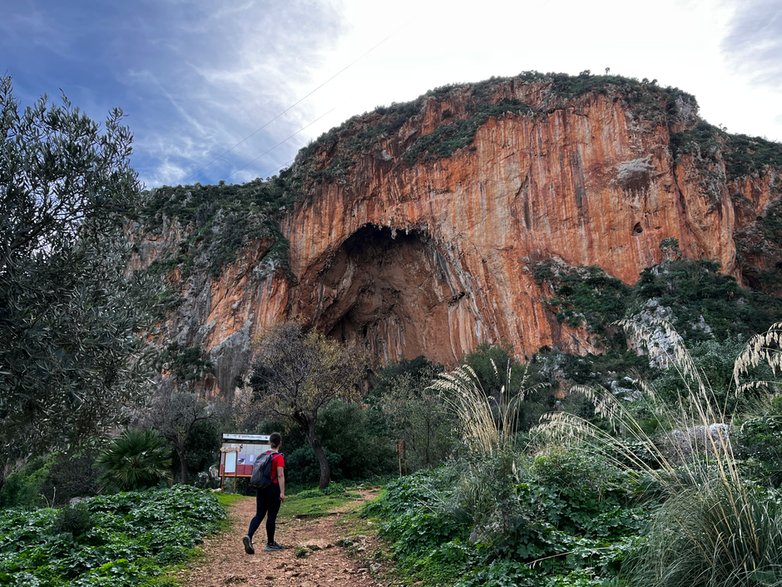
(138,459)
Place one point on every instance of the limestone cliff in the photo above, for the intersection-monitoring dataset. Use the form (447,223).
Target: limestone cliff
(416,227)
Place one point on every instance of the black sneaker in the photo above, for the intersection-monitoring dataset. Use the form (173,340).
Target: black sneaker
(248,545)
(272,546)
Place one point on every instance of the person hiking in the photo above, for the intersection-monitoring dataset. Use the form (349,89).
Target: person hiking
(268,499)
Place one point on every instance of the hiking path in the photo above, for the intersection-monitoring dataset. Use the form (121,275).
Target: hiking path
(319,551)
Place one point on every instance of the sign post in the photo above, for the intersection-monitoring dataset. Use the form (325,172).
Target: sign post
(238,453)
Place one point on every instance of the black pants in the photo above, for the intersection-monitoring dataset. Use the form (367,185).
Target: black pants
(267,503)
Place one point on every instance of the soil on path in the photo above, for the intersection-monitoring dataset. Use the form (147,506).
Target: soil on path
(334,556)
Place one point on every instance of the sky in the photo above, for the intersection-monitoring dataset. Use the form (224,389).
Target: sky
(231,89)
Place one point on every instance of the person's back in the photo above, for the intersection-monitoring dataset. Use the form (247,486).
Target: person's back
(268,500)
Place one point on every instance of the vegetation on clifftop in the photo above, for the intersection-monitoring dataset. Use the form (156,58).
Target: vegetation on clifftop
(452,136)
(218,220)
(475,103)
(750,155)
(703,302)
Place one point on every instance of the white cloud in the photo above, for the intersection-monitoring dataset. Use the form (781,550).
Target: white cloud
(436,43)
(753,45)
(232,90)
(220,79)
(165,173)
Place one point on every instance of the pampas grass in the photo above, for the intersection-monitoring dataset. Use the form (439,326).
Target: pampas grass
(717,534)
(489,421)
(713,529)
(765,348)
(697,442)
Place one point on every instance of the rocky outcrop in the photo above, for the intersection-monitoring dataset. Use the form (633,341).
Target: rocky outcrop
(420,223)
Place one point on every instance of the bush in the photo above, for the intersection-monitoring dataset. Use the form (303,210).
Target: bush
(714,358)
(486,489)
(127,539)
(345,430)
(302,468)
(759,444)
(426,530)
(24,488)
(585,296)
(502,573)
(404,409)
(445,139)
(696,288)
(422,489)
(719,534)
(51,480)
(71,476)
(75,520)
(508,520)
(202,446)
(750,155)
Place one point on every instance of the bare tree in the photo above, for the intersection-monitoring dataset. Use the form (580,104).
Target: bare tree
(297,373)
(175,416)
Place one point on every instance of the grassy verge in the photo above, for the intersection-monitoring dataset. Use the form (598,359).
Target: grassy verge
(314,503)
(228,499)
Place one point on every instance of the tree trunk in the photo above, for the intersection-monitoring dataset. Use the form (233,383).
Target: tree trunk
(184,473)
(320,454)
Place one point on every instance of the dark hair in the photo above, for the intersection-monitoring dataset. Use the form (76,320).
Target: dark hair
(275,438)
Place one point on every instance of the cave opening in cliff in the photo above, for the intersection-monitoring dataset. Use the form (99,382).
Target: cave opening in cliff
(390,290)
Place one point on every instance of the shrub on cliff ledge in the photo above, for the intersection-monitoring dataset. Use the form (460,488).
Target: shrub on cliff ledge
(218,220)
(584,296)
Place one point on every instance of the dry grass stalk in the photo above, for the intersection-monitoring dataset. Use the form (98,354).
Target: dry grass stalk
(694,460)
(489,422)
(697,443)
(761,348)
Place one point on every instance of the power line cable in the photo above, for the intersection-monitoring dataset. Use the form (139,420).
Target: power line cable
(307,95)
(290,136)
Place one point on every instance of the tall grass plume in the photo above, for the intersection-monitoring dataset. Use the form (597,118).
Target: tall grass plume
(713,528)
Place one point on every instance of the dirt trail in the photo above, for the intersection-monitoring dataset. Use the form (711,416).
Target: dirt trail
(327,561)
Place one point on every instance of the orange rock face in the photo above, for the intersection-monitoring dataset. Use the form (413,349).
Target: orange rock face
(433,256)
(586,183)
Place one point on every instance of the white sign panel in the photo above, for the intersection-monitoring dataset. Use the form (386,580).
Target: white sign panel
(230,462)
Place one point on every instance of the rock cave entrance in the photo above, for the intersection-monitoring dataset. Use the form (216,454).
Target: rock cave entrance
(391,290)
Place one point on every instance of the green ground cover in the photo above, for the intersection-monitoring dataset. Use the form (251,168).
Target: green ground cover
(127,539)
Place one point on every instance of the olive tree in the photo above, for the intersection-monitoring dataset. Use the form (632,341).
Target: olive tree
(417,418)
(178,416)
(69,355)
(297,373)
